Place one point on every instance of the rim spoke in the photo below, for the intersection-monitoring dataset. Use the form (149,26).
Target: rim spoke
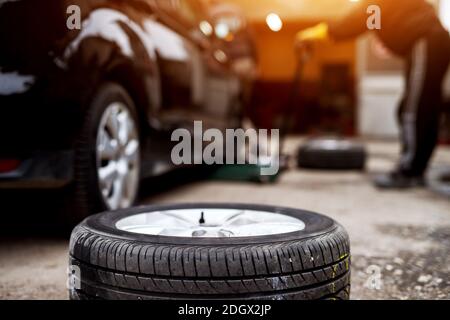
(108,174)
(112,123)
(178,218)
(131,151)
(124,127)
(241,221)
(177,231)
(107,147)
(246,220)
(117,197)
(261,226)
(129,185)
(233,218)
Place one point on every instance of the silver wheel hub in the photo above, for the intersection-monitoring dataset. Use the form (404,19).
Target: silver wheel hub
(210,223)
(118,158)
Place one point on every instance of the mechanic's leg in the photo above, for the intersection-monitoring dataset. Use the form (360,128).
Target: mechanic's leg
(419,114)
(424,106)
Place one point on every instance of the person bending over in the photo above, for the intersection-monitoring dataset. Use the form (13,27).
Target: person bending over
(410,29)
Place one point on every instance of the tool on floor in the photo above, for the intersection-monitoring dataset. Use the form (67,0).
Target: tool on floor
(252,172)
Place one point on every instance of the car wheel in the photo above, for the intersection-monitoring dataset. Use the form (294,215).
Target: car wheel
(209,251)
(332,154)
(107,162)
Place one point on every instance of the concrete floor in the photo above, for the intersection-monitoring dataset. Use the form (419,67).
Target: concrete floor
(400,240)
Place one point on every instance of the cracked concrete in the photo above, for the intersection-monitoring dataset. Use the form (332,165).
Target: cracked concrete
(400,240)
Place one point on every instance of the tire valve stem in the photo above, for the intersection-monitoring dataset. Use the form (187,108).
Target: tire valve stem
(202,218)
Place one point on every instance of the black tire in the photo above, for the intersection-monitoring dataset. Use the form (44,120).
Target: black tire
(310,264)
(332,154)
(85,196)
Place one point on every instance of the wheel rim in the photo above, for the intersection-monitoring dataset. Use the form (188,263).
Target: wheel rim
(210,223)
(118,157)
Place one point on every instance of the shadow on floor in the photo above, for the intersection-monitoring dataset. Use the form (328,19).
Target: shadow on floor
(35,213)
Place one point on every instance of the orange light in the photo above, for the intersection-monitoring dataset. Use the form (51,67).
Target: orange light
(274,22)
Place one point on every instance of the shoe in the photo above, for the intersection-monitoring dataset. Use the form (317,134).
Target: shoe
(398,180)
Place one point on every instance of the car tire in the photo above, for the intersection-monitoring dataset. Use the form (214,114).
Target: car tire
(332,154)
(86,195)
(109,261)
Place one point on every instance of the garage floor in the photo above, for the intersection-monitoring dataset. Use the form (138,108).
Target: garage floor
(400,240)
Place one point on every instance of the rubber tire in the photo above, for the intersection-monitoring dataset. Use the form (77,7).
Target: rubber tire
(310,264)
(85,197)
(312,155)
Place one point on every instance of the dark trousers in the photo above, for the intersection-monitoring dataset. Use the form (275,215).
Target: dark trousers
(421,107)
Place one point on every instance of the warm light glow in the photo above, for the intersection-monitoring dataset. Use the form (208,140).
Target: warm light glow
(220,56)
(222,30)
(445,13)
(206,28)
(274,22)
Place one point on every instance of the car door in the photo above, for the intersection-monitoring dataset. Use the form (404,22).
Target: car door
(180,65)
(196,84)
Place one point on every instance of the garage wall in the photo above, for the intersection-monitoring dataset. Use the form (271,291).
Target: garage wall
(276,52)
(294,10)
(275,49)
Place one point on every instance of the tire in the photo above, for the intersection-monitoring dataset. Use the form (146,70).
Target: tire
(332,154)
(86,197)
(313,263)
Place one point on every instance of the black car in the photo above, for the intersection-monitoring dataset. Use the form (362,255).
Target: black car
(90,106)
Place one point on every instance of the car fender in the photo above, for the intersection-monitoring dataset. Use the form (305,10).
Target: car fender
(115,46)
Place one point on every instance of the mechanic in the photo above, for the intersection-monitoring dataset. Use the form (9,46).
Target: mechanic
(410,29)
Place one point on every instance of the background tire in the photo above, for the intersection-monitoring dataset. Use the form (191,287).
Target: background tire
(332,154)
(313,263)
(85,197)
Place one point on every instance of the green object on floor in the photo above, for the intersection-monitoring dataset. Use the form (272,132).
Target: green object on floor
(243,172)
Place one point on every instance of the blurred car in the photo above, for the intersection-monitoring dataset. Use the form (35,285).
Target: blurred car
(91,109)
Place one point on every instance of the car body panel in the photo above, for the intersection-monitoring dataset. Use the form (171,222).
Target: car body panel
(168,66)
